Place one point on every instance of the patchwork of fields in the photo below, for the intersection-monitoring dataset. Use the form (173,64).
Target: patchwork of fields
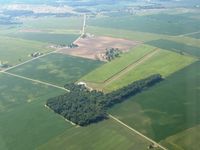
(140,63)
(167,113)
(57,69)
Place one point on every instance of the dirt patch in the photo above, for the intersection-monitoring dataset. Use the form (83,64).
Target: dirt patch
(95,47)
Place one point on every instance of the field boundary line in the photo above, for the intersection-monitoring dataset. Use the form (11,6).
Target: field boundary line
(37,81)
(137,132)
(61,116)
(10,68)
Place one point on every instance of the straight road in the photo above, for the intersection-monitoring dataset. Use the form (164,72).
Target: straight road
(137,132)
(37,81)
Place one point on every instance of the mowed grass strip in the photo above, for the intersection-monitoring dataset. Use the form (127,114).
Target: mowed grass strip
(166,109)
(14,51)
(104,135)
(163,62)
(111,68)
(24,121)
(57,68)
(176,47)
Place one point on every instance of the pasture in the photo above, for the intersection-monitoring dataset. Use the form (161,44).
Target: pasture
(57,69)
(166,109)
(14,51)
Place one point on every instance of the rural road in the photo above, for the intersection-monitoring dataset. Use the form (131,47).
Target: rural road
(28,61)
(37,81)
(82,32)
(137,132)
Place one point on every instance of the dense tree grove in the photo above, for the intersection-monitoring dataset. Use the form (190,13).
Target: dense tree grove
(112,53)
(83,107)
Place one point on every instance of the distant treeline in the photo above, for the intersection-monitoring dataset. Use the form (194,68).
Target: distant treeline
(83,107)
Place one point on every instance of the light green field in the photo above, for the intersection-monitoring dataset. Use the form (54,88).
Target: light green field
(14,50)
(166,110)
(57,68)
(105,135)
(111,68)
(184,140)
(163,62)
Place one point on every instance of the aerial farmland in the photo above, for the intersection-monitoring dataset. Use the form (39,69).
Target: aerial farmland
(103,75)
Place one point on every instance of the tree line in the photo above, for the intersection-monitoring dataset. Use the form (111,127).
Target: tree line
(84,107)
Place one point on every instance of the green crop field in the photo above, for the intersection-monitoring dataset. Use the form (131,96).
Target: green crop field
(14,50)
(47,37)
(58,69)
(24,118)
(111,68)
(25,122)
(166,109)
(51,23)
(184,140)
(104,135)
(167,24)
(176,47)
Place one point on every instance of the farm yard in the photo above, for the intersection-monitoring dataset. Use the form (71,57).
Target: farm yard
(165,115)
(94,47)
